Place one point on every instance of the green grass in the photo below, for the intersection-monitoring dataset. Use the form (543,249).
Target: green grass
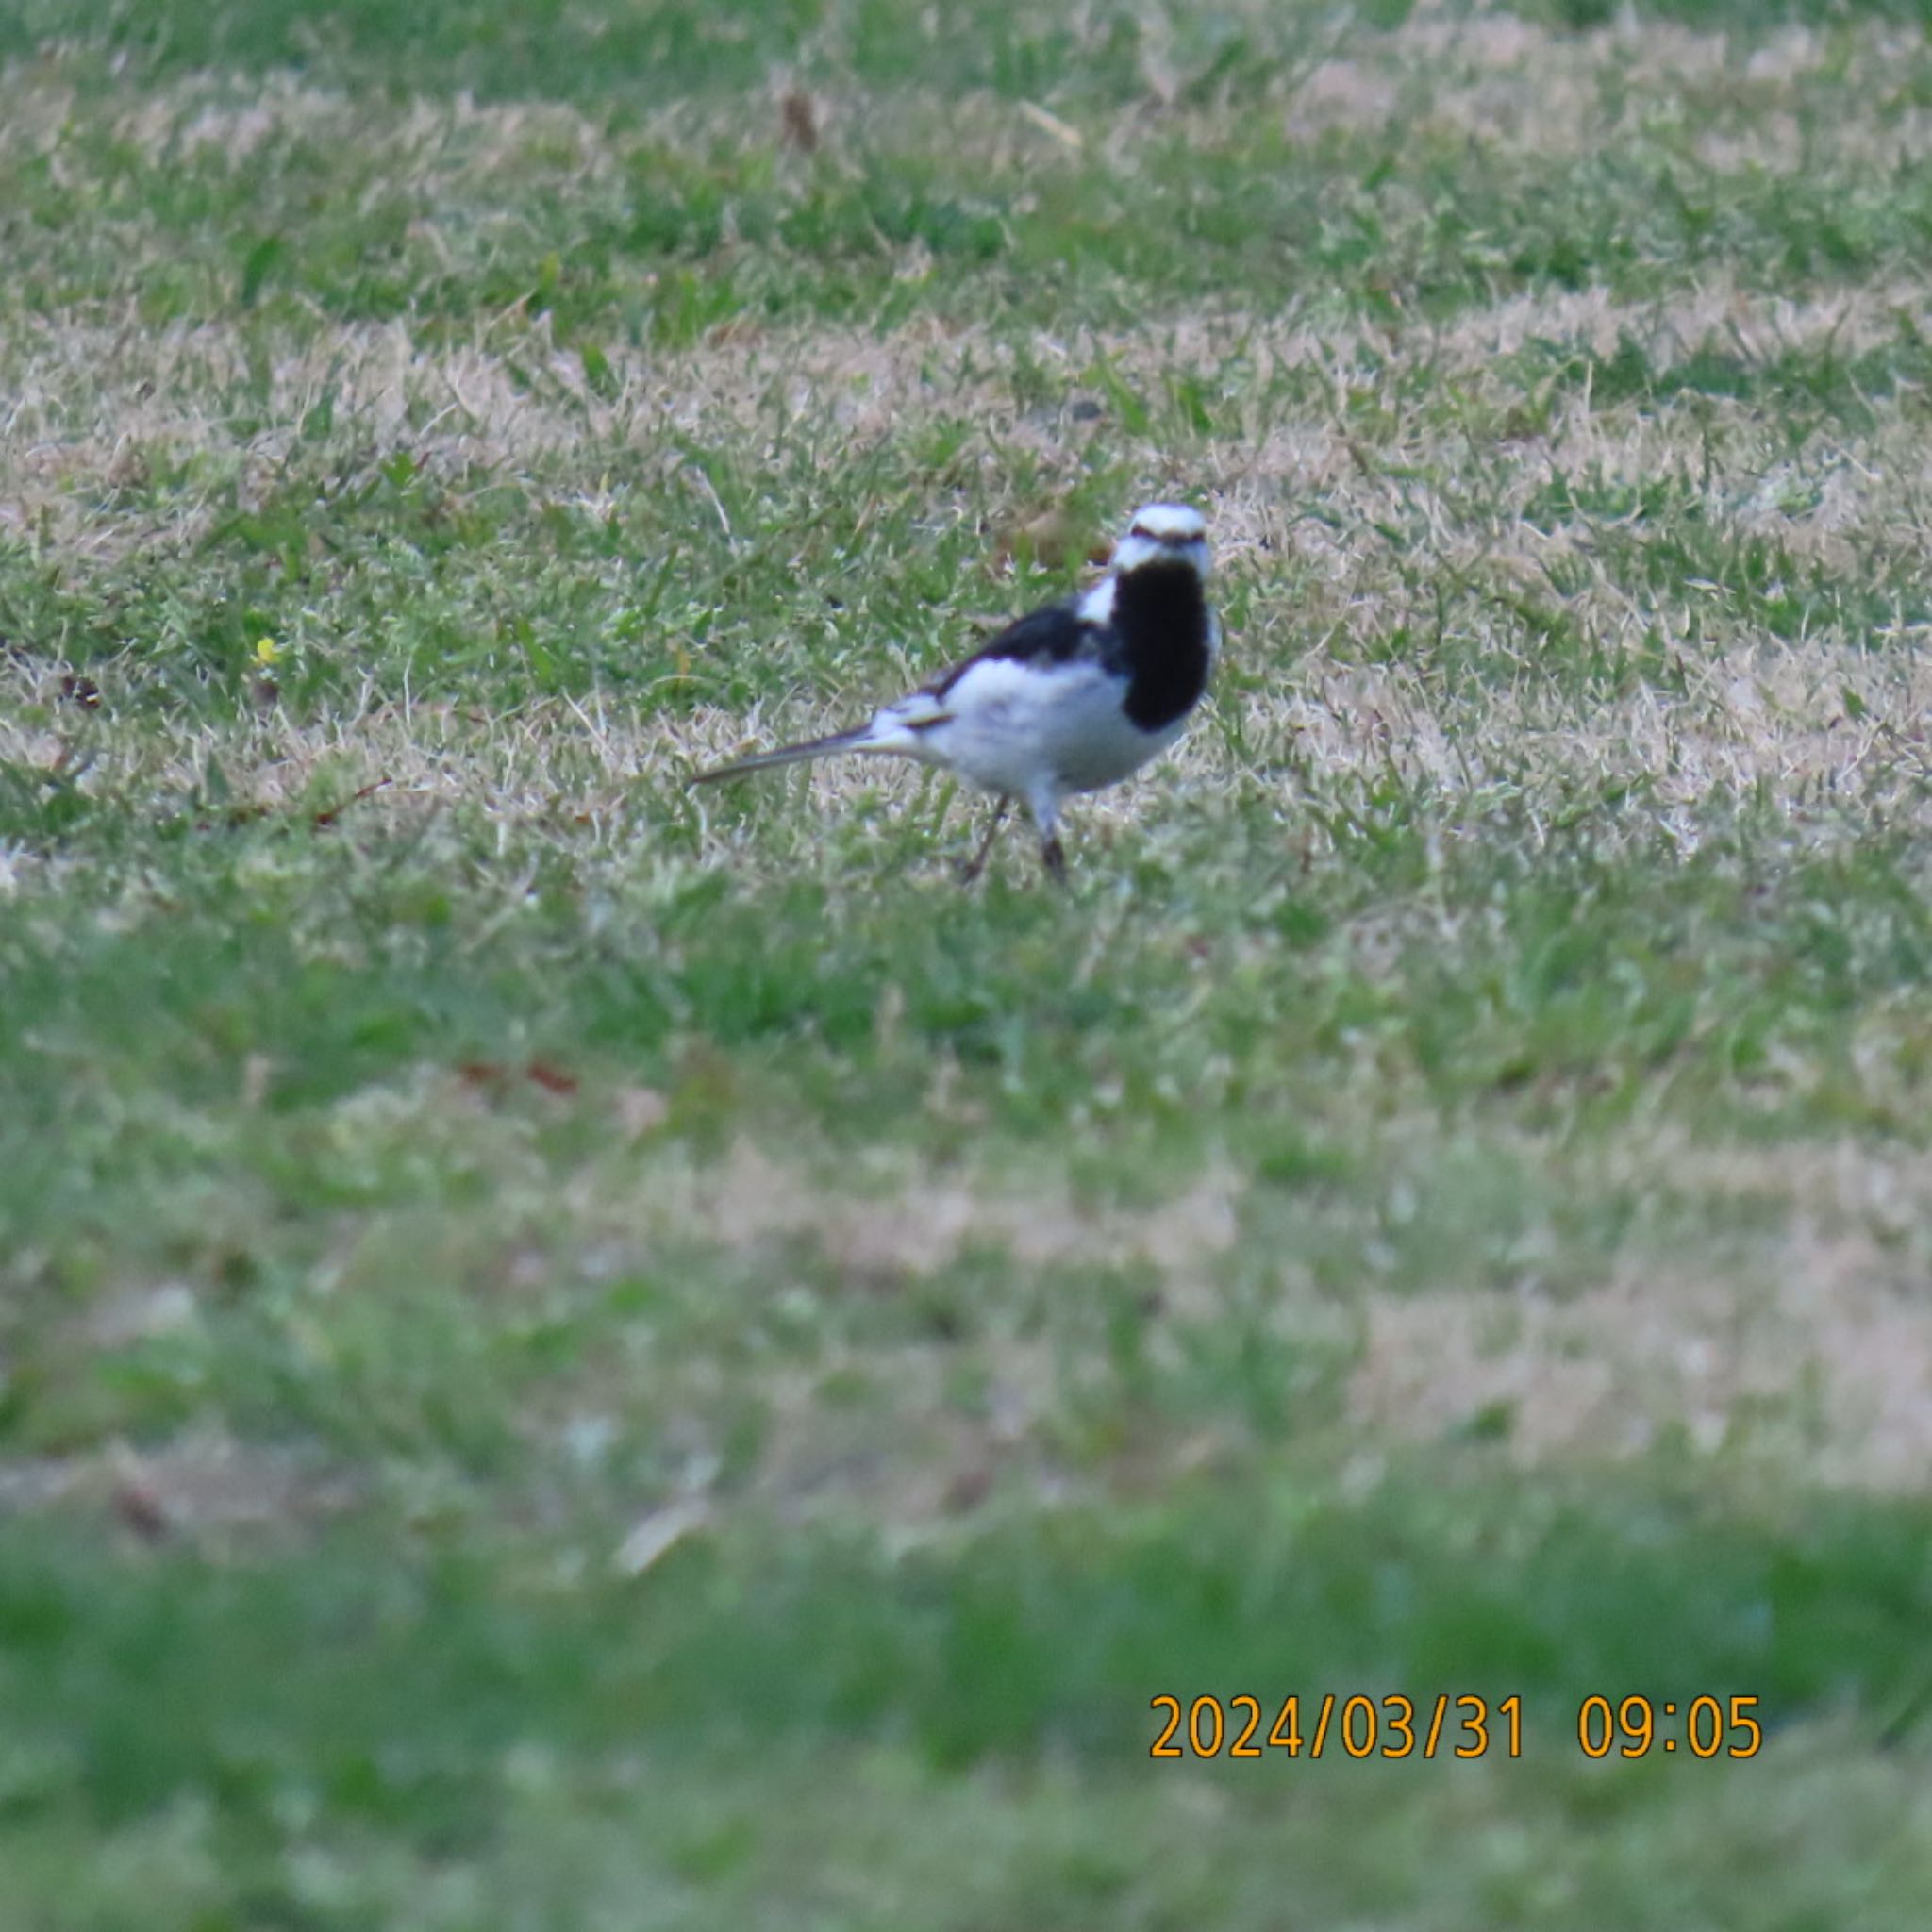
(575,1351)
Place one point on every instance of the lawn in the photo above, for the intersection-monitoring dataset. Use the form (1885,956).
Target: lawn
(578,1354)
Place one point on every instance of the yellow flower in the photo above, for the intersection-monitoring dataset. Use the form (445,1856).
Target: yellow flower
(266,652)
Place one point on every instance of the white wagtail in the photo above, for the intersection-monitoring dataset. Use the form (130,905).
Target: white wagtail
(1067,699)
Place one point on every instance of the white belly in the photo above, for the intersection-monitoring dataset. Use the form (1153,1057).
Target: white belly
(1014,727)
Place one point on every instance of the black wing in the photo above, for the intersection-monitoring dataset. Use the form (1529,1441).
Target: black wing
(1056,635)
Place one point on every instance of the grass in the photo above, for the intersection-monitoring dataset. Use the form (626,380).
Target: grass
(574,1352)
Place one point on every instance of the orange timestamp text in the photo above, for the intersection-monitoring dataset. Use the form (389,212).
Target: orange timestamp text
(1700,1726)
(1392,1727)
(1445,1726)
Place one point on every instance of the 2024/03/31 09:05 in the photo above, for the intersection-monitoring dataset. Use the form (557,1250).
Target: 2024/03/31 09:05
(1468,1727)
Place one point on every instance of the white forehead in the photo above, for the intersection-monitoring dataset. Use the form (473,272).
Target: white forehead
(1169,523)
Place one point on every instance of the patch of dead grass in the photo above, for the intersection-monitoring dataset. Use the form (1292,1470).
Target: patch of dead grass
(1806,1350)
(926,1219)
(202,1486)
(1818,1362)
(1826,731)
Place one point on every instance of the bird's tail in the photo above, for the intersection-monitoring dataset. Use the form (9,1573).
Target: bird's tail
(859,739)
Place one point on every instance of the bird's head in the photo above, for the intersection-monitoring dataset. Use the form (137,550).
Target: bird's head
(1164,533)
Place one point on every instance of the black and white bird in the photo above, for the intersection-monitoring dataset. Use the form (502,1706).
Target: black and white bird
(1069,698)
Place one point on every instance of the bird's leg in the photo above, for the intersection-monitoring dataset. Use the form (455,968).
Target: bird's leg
(1044,805)
(976,864)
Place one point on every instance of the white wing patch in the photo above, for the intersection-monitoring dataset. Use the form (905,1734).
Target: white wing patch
(902,726)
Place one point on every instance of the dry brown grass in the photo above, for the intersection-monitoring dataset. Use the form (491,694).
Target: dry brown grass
(92,407)
(1815,1364)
